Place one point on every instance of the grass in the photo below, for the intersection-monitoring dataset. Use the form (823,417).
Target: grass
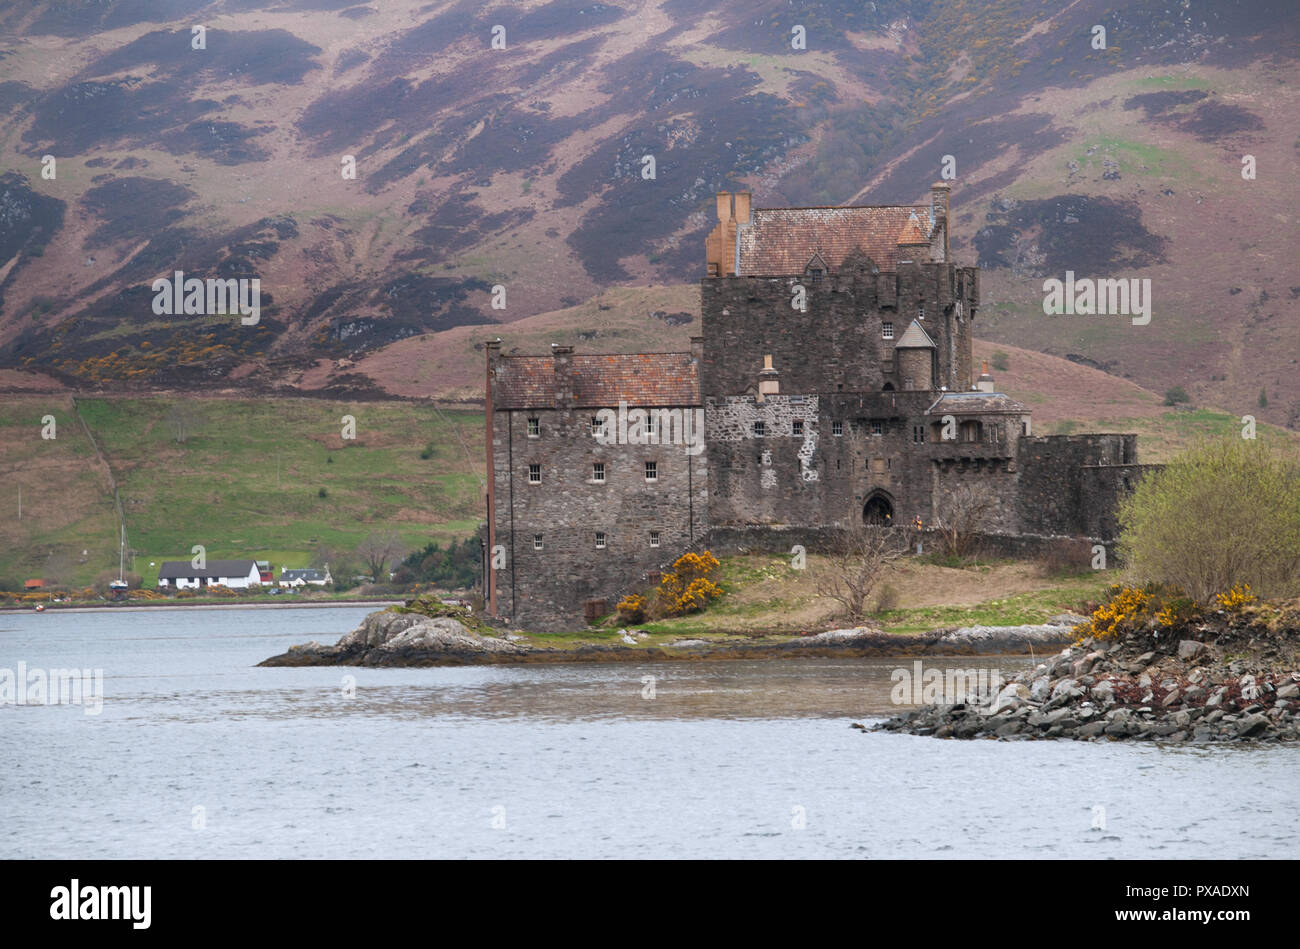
(762,594)
(1161,438)
(220,488)
(1016,610)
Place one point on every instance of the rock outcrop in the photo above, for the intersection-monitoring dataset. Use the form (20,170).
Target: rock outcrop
(403,638)
(1227,680)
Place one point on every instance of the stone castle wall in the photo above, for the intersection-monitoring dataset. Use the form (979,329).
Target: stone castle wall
(547,588)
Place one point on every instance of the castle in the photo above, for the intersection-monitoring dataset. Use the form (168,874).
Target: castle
(833,383)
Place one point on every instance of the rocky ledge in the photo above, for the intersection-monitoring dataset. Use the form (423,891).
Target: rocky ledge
(426,632)
(404,637)
(1231,678)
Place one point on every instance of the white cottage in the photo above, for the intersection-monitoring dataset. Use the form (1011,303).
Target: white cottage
(182,574)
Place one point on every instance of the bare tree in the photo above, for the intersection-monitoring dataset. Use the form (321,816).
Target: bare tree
(855,565)
(378,550)
(961,515)
(184,419)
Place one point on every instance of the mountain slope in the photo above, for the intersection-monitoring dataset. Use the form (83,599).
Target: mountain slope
(523,167)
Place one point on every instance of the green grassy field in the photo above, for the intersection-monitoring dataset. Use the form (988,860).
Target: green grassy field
(263,479)
(1162,438)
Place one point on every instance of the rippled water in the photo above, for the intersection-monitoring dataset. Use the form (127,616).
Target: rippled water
(198,753)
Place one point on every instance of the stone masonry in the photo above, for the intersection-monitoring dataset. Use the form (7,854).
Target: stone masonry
(835,384)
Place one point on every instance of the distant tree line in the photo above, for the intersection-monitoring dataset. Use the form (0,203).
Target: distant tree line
(455,567)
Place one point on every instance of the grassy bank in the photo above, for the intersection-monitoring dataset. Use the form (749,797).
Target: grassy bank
(261,479)
(764,597)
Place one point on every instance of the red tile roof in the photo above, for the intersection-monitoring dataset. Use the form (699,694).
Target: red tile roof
(599,381)
(781,241)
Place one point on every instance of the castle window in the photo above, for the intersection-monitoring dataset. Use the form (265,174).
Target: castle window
(887,331)
(600,540)
(815,275)
(877,426)
(534,427)
(760,429)
(597,425)
(598,472)
(837,427)
(652,471)
(1024,428)
(537,542)
(654,538)
(918,434)
(534,474)
(971,431)
(920,311)
(798,427)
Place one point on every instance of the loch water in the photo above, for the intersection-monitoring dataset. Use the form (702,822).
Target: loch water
(197,752)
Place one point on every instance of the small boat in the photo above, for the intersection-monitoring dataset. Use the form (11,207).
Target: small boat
(40,607)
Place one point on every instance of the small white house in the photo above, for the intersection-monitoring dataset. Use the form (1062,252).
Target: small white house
(182,574)
(305,576)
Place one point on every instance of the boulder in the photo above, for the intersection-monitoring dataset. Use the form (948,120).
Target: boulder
(1190,649)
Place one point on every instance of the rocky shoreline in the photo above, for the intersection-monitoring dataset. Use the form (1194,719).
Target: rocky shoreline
(411,637)
(1231,678)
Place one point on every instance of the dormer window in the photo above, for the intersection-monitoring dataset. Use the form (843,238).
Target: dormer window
(815,269)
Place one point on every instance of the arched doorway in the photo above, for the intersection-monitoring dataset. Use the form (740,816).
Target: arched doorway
(878,510)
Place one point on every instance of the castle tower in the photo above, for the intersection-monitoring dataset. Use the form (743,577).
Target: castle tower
(915,355)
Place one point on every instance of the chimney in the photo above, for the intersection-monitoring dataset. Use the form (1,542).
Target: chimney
(742,206)
(563,369)
(985,381)
(939,211)
(768,380)
(720,246)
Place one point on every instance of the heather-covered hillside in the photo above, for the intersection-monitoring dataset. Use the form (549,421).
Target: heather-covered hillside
(521,163)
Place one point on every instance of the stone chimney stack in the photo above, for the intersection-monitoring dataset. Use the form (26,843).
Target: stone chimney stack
(985,381)
(563,356)
(742,206)
(939,210)
(720,246)
(769,382)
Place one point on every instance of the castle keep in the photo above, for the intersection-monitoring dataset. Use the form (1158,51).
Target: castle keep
(834,383)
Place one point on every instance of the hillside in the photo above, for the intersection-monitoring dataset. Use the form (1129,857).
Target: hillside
(522,167)
(253,479)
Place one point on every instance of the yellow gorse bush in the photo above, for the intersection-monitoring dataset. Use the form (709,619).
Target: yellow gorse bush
(1131,607)
(689,587)
(1235,598)
(631,609)
(1112,617)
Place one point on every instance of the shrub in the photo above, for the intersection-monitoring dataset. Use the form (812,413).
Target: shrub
(1225,513)
(1120,614)
(1000,362)
(1176,396)
(322,493)
(631,609)
(1235,598)
(1129,609)
(689,586)
(887,599)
